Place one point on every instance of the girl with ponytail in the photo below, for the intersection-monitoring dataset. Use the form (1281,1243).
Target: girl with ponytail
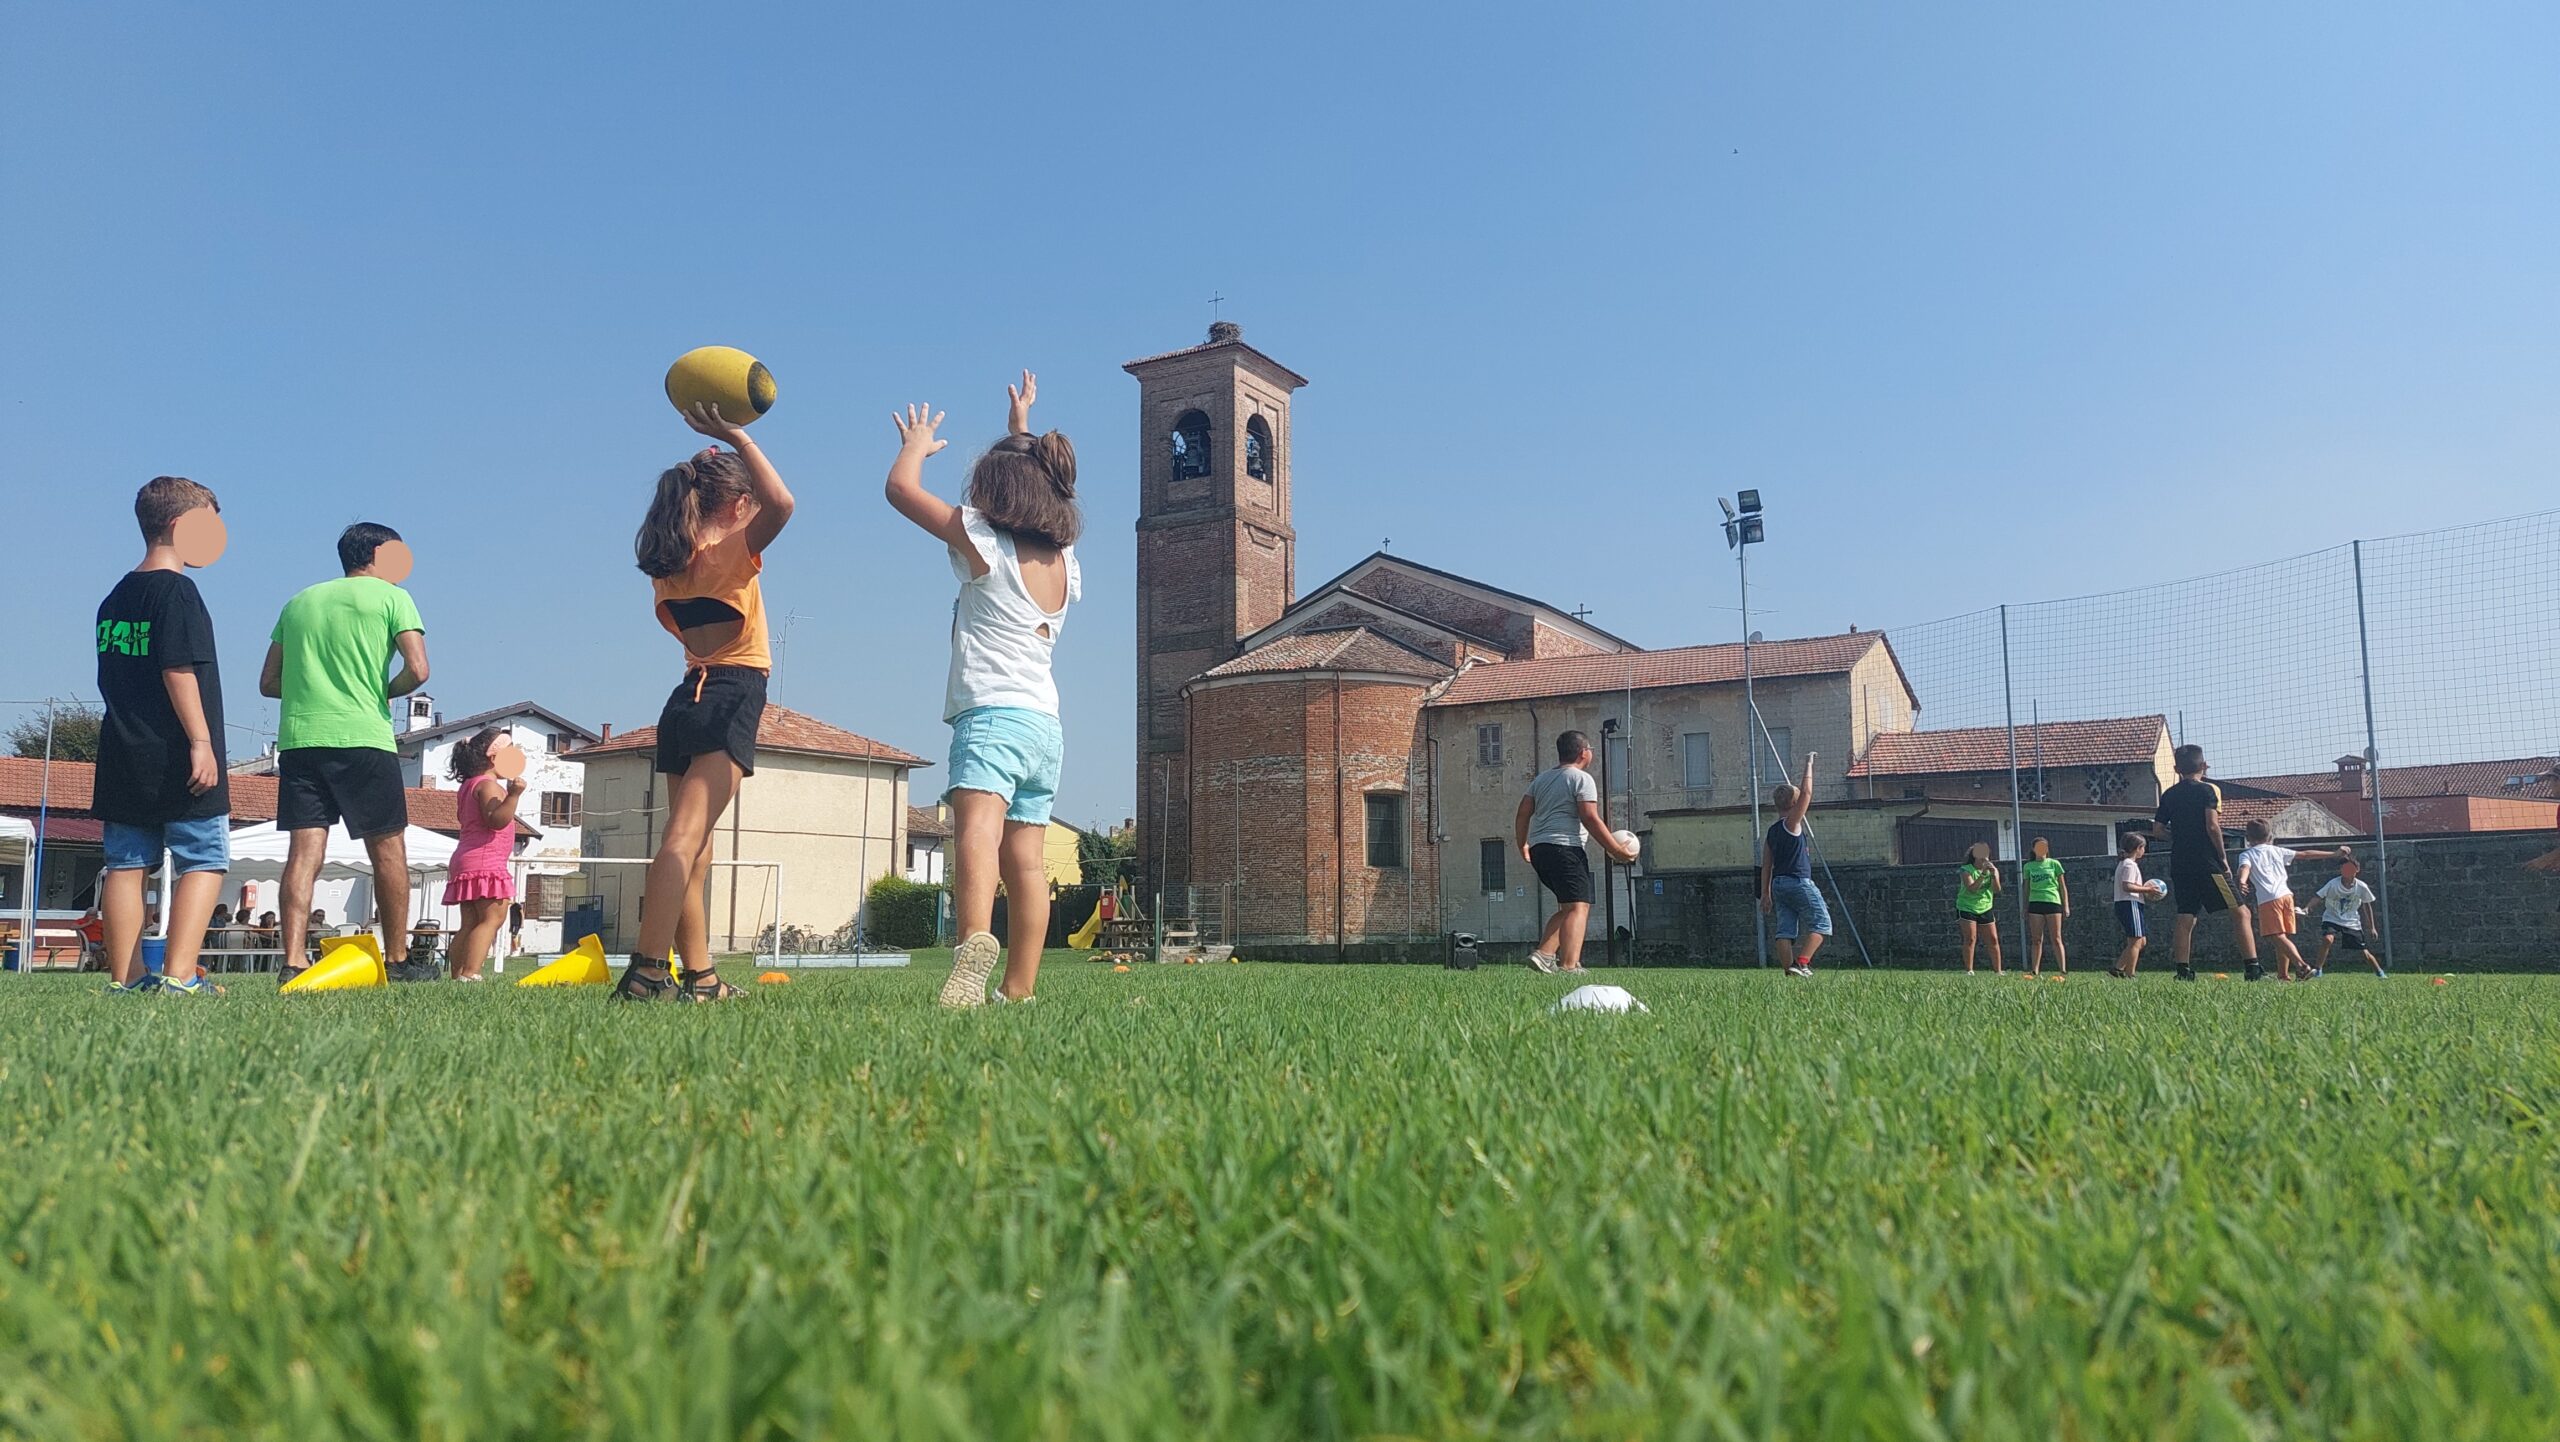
(1012,547)
(702,548)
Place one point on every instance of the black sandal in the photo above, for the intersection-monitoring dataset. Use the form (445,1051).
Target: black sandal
(632,986)
(704,985)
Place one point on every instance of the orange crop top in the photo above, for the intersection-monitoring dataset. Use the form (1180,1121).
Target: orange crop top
(720,586)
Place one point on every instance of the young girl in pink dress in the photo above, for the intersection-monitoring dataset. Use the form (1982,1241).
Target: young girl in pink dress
(479,880)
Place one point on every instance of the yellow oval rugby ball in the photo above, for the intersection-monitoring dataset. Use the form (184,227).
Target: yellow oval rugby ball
(726,377)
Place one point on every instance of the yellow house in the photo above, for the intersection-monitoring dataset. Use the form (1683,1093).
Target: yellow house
(1060,847)
(829,805)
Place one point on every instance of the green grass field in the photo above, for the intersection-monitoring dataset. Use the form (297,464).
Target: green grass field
(1288,1202)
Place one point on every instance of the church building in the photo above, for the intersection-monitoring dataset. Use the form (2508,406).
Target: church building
(1342,766)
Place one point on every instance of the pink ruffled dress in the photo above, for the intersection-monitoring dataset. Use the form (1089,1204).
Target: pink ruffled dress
(479,869)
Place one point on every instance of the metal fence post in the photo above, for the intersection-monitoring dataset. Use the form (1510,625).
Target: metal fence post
(2373,763)
(2017,816)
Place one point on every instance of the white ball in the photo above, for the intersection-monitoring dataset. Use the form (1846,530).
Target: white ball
(1598,998)
(1626,841)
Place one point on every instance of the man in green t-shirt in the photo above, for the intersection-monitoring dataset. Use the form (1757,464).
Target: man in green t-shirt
(328,662)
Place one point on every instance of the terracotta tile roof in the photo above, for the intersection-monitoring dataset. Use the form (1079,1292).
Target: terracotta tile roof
(2458,778)
(1234,342)
(782,729)
(253,798)
(922,821)
(478,719)
(2118,741)
(1342,584)
(1357,649)
(60,828)
(2241,810)
(1651,670)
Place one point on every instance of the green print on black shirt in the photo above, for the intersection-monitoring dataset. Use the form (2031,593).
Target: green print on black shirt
(125,638)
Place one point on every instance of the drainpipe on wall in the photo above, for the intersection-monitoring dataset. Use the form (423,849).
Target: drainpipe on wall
(1337,818)
(1191,789)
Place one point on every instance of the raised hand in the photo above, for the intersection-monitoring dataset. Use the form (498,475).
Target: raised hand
(1017,419)
(705,417)
(916,429)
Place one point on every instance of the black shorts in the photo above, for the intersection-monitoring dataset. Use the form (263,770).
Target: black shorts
(1564,870)
(2202,893)
(2347,937)
(2044,908)
(715,708)
(1989,920)
(319,786)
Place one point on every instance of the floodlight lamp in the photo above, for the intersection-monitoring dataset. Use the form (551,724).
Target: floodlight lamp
(1749,501)
(1753,531)
(1727,506)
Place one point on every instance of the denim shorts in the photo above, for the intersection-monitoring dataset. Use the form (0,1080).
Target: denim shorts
(1012,752)
(199,845)
(1799,906)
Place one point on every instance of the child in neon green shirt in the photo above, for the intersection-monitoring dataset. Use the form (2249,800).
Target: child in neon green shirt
(2048,902)
(1977,897)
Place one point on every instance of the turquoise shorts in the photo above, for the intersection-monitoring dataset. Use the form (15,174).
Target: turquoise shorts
(1010,752)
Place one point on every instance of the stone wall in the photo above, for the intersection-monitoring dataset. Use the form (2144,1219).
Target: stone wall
(2456,903)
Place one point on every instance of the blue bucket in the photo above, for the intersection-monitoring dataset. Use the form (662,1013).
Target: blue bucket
(155,954)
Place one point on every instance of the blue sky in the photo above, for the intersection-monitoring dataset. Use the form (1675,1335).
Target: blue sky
(1991,302)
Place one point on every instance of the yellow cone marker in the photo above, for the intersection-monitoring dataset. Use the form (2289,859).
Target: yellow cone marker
(582,966)
(351,963)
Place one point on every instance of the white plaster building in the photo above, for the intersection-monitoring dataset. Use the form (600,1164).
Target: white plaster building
(554,802)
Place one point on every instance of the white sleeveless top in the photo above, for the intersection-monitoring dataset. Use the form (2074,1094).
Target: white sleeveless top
(998,655)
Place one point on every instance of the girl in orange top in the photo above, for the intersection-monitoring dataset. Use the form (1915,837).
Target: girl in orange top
(702,547)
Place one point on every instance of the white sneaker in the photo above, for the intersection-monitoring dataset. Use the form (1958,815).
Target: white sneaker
(998,998)
(971,964)
(1546,965)
(1799,969)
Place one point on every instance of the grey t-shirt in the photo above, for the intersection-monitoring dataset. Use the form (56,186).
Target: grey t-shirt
(1555,805)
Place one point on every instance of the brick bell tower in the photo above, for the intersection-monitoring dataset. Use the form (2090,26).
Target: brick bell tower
(1217,559)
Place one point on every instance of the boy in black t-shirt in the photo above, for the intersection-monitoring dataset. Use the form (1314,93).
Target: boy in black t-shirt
(161,785)
(2200,876)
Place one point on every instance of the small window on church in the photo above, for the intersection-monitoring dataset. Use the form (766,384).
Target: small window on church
(1386,828)
(1257,449)
(1190,445)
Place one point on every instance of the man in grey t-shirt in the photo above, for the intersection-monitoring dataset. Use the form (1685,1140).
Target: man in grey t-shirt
(1561,806)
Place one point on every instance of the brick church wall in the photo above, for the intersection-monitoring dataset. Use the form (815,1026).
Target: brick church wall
(1267,793)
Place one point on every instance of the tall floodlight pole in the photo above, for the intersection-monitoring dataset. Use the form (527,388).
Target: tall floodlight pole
(1742,529)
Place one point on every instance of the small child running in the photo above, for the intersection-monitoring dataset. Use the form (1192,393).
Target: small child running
(1977,896)
(2346,916)
(2270,891)
(2131,891)
(1013,549)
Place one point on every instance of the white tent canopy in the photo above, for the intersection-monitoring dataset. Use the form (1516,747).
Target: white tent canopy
(345,891)
(18,843)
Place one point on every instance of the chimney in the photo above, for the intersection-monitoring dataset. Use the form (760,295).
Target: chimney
(606,733)
(2351,774)
(422,712)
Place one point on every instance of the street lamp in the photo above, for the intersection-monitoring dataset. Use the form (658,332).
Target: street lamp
(1742,530)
